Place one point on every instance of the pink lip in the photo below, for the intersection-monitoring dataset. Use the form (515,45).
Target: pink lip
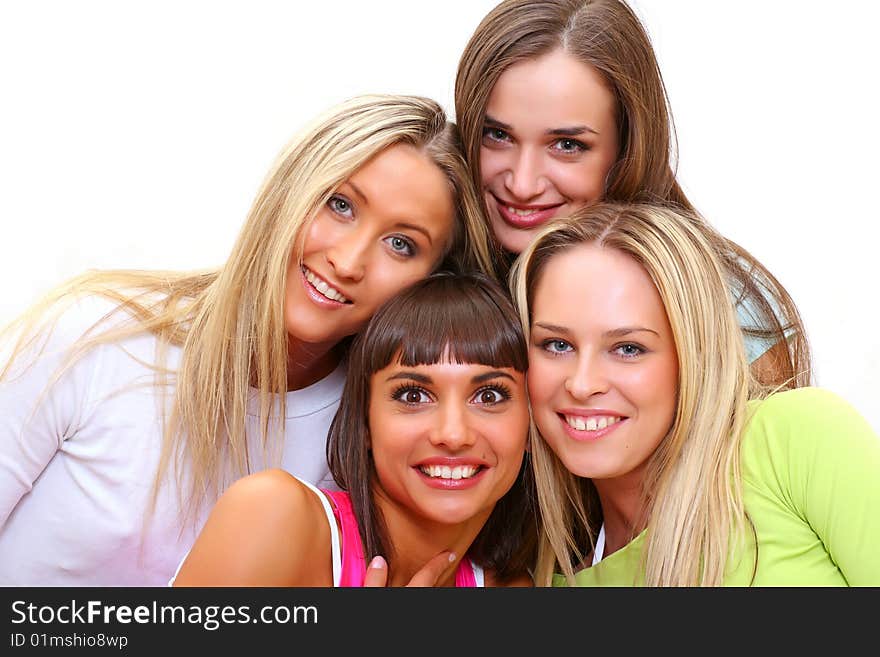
(319,298)
(542,214)
(583,436)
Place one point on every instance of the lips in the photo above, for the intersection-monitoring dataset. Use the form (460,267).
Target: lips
(451,473)
(590,425)
(322,291)
(526,216)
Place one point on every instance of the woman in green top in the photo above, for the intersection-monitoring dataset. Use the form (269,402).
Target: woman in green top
(658,459)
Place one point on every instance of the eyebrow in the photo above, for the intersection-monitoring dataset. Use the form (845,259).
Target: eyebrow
(422,378)
(495,122)
(613,333)
(572,131)
(398,225)
(357,190)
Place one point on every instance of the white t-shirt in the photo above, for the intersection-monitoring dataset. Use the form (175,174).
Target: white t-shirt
(77,464)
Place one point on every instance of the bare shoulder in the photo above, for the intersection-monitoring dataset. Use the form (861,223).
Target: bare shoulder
(522,580)
(268,529)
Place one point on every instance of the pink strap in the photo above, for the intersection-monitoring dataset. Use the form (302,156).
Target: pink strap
(354,565)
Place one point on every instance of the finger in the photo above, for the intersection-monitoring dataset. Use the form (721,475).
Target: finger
(377,573)
(431,572)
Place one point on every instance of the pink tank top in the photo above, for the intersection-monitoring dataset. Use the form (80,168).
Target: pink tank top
(354,565)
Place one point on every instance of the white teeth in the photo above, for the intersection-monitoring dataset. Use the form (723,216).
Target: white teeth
(592,423)
(322,287)
(521,213)
(445,472)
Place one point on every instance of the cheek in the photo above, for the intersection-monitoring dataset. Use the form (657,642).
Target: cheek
(387,278)
(491,164)
(655,389)
(321,232)
(583,185)
(543,380)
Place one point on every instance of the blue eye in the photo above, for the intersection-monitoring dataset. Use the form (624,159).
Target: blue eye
(556,346)
(340,205)
(401,245)
(629,350)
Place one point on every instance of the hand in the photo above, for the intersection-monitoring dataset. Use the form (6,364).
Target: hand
(377,571)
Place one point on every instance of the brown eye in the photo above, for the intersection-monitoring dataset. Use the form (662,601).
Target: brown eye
(491,395)
(411,395)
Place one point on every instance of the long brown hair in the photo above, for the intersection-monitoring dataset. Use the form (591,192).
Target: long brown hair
(467,318)
(608,36)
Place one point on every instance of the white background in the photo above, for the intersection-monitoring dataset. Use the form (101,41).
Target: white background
(135,134)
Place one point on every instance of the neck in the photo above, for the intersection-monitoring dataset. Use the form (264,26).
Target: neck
(309,363)
(621,501)
(416,540)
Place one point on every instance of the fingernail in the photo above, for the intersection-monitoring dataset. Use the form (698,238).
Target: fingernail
(377,562)
(451,557)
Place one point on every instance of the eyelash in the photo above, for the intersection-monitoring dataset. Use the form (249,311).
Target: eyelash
(545,345)
(400,391)
(502,390)
(579,146)
(410,248)
(487,133)
(339,198)
(498,135)
(639,348)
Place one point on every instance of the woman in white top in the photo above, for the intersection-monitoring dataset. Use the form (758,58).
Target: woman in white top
(130,400)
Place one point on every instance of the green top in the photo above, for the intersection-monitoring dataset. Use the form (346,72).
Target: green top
(811,487)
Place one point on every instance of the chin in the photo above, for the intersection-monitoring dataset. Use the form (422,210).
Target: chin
(514,240)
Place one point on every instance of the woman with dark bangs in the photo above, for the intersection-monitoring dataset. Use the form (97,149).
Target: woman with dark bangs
(428,446)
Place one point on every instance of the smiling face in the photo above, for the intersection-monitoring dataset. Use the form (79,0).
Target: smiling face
(386,227)
(549,141)
(603,369)
(447,439)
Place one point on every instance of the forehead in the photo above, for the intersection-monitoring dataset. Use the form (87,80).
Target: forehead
(403,184)
(552,90)
(592,285)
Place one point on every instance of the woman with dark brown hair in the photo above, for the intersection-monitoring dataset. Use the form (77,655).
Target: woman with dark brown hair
(561,104)
(428,446)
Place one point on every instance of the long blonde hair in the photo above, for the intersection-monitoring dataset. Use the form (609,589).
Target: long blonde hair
(608,36)
(229,322)
(692,499)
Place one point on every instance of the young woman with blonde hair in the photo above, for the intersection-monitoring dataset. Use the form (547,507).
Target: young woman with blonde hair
(130,400)
(658,459)
(561,104)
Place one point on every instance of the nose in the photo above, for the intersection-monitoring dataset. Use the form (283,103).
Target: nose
(348,254)
(453,428)
(588,377)
(525,180)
